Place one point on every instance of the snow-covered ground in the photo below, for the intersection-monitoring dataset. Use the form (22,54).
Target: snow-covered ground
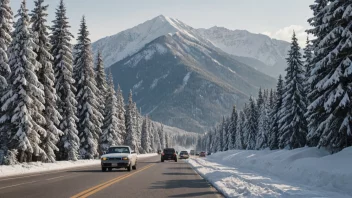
(304,172)
(35,167)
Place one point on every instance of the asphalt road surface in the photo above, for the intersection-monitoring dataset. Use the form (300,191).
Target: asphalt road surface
(152,179)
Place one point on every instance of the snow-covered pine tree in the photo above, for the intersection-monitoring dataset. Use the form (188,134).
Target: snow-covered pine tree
(275,116)
(216,139)
(293,124)
(225,135)
(131,136)
(240,129)
(47,78)
(110,130)
(90,118)
(252,125)
(209,139)
(157,138)
(307,56)
(167,140)
(102,86)
(145,141)
(221,131)
(162,136)
(137,125)
(151,136)
(60,40)
(23,102)
(315,114)
(331,78)
(263,127)
(121,114)
(271,100)
(260,100)
(6,20)
(232,128)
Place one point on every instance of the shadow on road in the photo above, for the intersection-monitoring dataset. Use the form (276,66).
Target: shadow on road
(181,168)
(171,184)
(196,194)
(96,171)
(179,174)
(147,162)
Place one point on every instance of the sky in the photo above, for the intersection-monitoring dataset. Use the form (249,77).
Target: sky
(275,18)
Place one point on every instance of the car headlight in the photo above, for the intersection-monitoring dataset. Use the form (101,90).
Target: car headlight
(104,158)
(125,158)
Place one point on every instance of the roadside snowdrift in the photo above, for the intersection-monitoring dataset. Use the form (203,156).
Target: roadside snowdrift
(36,167)
(304,172)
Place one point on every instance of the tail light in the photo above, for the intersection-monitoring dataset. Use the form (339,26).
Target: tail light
(174,153)
(162,153)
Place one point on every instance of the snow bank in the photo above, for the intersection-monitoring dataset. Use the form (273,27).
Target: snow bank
(304,172)
(35,167)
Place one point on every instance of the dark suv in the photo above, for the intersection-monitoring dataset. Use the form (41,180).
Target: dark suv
(169,154)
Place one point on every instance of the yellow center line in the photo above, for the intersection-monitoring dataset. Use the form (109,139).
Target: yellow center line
(104,185)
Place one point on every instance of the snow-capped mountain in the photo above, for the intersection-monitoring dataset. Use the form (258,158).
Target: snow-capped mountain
(180,80)
(115,48)
(242,43)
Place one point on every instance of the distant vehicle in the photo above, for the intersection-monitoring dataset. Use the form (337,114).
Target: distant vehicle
(209,153)
(184,155)
(169,154)
(192,152)
(197,154)
(202,154)
(159,152)
(119,157)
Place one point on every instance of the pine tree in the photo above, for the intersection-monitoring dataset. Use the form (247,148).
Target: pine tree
(293,124)
(308,56)
(252,125)
(330,108)
(157,139)
(275,116)
(64,85)
(162,136)
(110,130)
(23,102)
(145,141)
(167,140)
(5,40)
(239,144)
(89,124)
(263,127)
(102,86)
(121,114)
(233,128)
(6,21)
(260,100)
(47,78)
(315,113)
(225,135)
(137,126)
(271,100)
(151,136)
(131,136)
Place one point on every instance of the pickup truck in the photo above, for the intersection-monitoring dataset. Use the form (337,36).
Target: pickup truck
(119,157)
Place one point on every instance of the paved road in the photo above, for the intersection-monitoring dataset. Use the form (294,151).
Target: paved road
(151,179)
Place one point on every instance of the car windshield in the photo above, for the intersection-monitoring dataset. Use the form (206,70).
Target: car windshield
(119,150)
(183,152)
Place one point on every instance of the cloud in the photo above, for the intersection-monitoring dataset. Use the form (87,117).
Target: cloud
(286,34)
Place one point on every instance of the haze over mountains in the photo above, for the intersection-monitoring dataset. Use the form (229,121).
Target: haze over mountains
(186,77)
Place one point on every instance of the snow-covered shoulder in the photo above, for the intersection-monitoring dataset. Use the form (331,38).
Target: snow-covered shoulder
(304,172)
(37,167)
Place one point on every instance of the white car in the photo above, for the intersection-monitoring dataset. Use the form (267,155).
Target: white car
(119,157)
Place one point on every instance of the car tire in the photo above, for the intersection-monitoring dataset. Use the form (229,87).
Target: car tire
(109,169)
(103,169)
(129,168)
(134,167)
